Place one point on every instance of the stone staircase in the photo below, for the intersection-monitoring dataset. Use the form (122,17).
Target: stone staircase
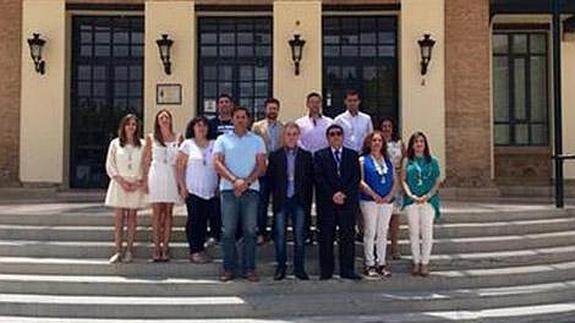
(491,262)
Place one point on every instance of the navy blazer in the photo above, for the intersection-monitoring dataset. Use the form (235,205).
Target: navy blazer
(329,182)
(277,174)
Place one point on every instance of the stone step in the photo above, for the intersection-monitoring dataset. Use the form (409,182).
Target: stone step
(441,230)
(302,302)
(100,249)
(208,285)
(95,215)
(556,313)
(181,268)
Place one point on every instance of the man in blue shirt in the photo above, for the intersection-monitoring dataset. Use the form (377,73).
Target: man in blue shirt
(239,159)
(290,171)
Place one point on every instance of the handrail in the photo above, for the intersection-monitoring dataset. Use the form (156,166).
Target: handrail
(564,156)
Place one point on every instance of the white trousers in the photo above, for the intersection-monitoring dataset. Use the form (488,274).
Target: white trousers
(375,225)
(420,220)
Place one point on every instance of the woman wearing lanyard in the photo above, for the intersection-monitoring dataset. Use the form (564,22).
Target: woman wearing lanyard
(378,186)
(420,181)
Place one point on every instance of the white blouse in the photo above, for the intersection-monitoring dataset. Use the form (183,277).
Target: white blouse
(124,161)
(201,176)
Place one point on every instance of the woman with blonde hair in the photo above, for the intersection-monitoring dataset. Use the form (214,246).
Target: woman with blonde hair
(160,170)
(126,189)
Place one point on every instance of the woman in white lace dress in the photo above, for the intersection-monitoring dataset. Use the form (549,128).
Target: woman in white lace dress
(126,189)
(160,169)
(396,152)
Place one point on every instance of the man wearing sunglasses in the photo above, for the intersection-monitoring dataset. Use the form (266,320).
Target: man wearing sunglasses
(337,175)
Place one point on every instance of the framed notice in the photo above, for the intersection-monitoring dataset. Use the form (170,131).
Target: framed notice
(169,94)
(210,106)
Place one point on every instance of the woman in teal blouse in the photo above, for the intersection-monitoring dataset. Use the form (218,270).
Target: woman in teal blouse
(420,181)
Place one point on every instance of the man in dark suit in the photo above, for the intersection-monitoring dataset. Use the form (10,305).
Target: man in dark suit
(290,171)
(337,175)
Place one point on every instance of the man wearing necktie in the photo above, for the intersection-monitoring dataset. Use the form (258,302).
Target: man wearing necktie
(337,176)
(290,171)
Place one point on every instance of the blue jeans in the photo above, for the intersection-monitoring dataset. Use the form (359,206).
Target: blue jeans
(244,210)
(294,209)
(263,203)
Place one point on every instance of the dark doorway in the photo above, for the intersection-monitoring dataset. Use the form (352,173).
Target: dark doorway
(106,83)
(360,52)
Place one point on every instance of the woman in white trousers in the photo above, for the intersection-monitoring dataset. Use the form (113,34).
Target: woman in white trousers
(420,181)
(378,186)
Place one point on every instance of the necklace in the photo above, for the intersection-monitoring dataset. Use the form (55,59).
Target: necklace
(380,167)
(205,152)
(128,148)
(420,176)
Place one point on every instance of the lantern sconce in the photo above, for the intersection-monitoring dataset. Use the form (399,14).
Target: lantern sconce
(36,44)
(296,45)
(165,45)
(426,46)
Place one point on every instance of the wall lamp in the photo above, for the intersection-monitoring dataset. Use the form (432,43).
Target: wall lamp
(426,46)
(164,45)
(36,44)
(296,44)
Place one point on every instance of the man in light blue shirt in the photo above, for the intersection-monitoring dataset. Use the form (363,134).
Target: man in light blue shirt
(239,159)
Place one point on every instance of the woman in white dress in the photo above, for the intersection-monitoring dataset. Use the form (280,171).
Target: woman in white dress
(126,189)
(160,170)
(396,153)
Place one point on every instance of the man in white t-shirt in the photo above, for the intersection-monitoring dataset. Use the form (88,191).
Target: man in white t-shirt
(356,124)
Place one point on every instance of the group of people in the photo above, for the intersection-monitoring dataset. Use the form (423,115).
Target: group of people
(225,169)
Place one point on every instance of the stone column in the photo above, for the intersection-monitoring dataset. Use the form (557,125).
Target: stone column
(177,19)
(423,104)
(43,97)
(10,60)
(303,17)
(468,123)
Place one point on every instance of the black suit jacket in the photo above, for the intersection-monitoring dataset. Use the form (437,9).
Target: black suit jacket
(277,172)
(329,182)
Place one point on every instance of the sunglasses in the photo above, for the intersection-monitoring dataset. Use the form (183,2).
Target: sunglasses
(334,133)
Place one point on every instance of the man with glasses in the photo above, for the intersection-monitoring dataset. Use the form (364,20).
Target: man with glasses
(337,175)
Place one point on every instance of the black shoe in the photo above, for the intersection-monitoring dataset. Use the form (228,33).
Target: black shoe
(280,274)
(325,277)
(301,275)
(352,276)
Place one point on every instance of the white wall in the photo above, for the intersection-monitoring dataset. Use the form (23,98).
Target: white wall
(43,96)
(423,106)
(290,89)
(177,19)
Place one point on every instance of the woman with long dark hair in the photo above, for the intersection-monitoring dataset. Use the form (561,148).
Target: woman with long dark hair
(420,180)
(396,153)
(126,189)
(160,170)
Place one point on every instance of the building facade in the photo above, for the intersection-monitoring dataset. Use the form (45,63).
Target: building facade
(485,102)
